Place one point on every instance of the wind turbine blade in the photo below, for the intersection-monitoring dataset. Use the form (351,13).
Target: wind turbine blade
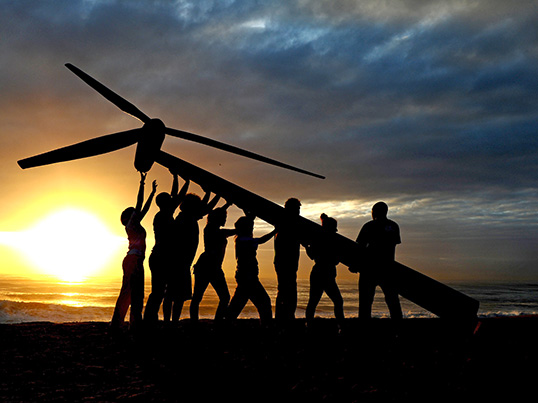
(88,148)
(117,100)
(235,150)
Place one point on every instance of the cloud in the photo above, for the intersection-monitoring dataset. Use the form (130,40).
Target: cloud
(421,103)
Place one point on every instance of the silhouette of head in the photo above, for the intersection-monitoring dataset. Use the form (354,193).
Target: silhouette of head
(293,205)
(380,210)
(126,215)
(217,216)
(328,223)
(191,204)
(244,226)
(163,200)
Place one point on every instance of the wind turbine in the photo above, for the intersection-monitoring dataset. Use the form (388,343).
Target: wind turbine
(418,288)
(149,137)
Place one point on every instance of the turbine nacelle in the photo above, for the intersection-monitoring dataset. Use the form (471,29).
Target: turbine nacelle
(150,140)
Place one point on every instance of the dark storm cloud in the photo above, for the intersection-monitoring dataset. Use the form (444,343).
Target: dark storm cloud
(434,103)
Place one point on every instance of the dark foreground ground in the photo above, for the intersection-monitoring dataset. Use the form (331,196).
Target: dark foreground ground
(430,360)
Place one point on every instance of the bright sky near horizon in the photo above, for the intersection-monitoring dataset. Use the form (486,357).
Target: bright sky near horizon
(429,106)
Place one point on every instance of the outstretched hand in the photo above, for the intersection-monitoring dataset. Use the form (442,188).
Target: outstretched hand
(143,177)
(176,174)
(154,184)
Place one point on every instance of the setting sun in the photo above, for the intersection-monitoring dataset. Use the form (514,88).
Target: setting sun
(70,244)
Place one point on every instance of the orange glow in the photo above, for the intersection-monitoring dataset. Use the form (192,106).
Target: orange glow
(70,244)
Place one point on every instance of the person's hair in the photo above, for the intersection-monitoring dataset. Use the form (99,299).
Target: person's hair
(244,225)
(380,210)
(328,222)
(190,203)
(292,202)
(163,199)
(126,215)
(216,214)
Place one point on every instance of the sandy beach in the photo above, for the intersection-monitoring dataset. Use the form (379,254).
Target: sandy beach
(430,359)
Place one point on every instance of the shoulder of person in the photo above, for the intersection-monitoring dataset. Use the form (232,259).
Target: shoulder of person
(158,217)
(393,223)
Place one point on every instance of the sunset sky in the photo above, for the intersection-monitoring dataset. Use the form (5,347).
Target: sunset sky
(430,106)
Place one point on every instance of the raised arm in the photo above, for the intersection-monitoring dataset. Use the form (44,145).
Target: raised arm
(211,205)
(207,195)
(249,214)
(140,196)
(175,184)
(184,189)
(177,197)
(148,202)
(207,205)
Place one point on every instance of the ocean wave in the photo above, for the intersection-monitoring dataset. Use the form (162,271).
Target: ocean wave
(20,312)
(30,301)
(500,314)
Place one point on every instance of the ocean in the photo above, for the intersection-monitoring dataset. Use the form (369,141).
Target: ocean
(28,300)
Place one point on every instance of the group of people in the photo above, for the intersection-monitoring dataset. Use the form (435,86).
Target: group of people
(176,243)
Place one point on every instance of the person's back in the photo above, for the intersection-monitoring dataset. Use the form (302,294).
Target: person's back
(163,226)
(249,286)
(286,261)
(324,252)
(287,247)
(215,241)
(208,268)
(161,255)
(186,236)
(246,248)
(379,237)
(159,263)
(287,244)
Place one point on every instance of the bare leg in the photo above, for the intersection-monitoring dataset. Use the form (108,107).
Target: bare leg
(200,285)
(221,288)
(176,311)
(167,309)
(316,291)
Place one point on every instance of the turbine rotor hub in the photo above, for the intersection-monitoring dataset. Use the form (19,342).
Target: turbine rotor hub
(155,126)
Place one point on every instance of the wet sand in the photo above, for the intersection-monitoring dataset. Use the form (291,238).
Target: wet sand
(430,359)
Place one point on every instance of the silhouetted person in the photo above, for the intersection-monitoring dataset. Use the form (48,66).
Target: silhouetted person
(379,237)
(249,286)
(287,252)
(324,252)
(161,258)
(208,268)
(186,238)
(132,287)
